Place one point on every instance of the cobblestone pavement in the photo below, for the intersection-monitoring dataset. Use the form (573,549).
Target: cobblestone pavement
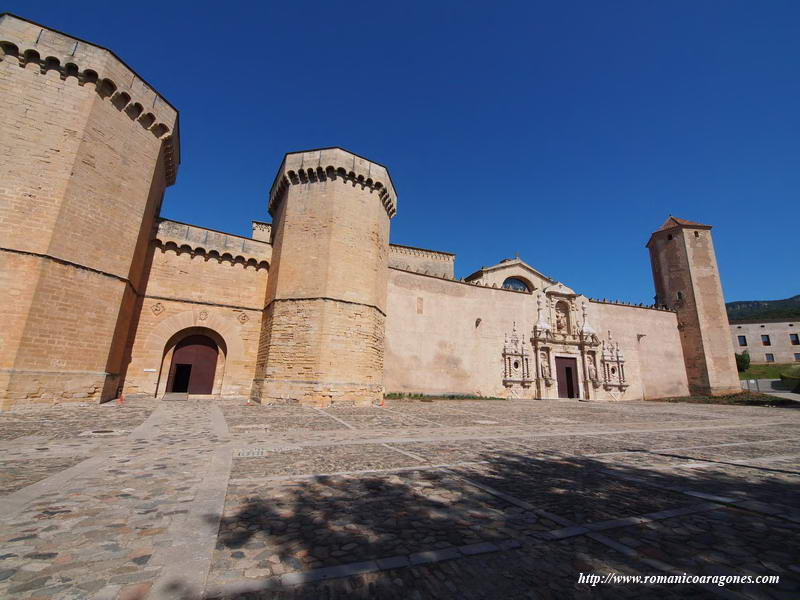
(413,500)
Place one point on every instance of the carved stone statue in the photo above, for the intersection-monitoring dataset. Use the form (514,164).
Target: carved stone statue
(544,365)
(562,317)
(592,369)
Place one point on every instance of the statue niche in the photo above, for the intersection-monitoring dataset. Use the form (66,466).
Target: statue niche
(545,365)
(591,367)
(562,317)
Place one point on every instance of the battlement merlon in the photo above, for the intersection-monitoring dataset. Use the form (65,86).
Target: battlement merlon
(333,163)
(91,64)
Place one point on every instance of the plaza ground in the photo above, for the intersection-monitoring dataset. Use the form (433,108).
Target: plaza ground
(413,500)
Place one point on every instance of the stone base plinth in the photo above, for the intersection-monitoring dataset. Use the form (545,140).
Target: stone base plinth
(714,390)
(316,393)
(20,388)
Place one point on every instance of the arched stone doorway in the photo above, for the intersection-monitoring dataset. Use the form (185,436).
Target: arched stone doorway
(193,363)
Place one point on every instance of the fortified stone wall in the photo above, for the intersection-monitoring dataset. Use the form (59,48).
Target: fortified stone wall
(447,337)
(652,345)
(88,148)
(200,281)
(431,262)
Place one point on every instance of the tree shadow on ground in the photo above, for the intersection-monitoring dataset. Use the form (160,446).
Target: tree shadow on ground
(315,523)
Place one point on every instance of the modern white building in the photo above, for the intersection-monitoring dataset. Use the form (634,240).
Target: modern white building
(768,340)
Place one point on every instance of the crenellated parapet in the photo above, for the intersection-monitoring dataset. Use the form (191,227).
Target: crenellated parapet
(182,238)
(413,251)
(54,54)
(657,307)
(262,231)
(333,164)
(432,262)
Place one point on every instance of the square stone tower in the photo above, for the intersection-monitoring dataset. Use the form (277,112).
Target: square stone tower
(87,149)
(687,280)
(322,339)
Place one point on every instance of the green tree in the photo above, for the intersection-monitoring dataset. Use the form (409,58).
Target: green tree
(743,361)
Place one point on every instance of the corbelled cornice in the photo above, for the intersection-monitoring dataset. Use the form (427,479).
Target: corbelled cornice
(333,164)
(30,45)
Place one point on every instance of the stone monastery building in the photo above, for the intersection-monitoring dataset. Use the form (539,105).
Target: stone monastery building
(102,297)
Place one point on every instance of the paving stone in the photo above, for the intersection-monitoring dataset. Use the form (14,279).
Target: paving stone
(408,528)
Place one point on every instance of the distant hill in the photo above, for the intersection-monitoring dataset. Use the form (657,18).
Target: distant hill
(764,309)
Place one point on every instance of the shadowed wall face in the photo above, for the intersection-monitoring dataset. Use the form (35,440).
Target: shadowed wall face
(323,335)
(85,169)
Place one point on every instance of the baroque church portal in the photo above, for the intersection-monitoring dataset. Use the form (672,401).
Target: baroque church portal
(103,297)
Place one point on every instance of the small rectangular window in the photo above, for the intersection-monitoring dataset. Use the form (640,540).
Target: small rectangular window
(797,356)
(765,340)
(794,338)
(770,357)
(742,340)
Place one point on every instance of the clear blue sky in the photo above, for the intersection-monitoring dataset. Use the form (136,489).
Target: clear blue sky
(564,131)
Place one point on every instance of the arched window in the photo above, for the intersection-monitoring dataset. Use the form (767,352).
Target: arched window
(514,283)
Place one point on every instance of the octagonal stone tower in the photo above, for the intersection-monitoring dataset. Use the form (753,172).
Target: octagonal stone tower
(687,280)
(87,149)
(322,338)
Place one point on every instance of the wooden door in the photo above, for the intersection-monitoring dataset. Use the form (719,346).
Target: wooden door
(567,377)
(194,364)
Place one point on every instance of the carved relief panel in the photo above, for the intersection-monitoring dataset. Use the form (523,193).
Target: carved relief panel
(613,366)
(562,311)
(516,364)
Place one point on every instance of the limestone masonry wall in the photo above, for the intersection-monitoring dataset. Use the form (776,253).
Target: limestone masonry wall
(447,337)
(651,341)
(99,293)
(421,260)
(84,168)
(200,281)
